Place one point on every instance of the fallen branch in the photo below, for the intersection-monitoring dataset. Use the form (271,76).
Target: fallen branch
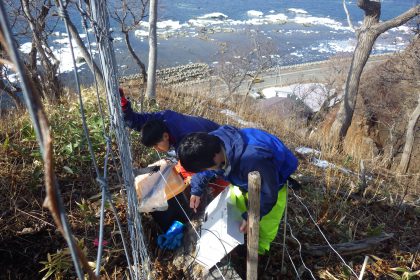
(348,248)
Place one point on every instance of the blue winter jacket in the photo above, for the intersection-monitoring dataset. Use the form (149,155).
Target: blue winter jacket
(249,150)
(179,125)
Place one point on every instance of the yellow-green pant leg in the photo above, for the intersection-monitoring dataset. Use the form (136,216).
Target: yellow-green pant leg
(269,224)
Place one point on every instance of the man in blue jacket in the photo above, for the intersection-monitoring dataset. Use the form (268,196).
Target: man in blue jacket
(164,129)
(233,153)
(161,131)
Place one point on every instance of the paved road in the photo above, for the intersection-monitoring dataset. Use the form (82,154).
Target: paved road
(304,73)
(315,72)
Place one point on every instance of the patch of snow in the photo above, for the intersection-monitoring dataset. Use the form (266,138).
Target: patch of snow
(26,47)
(307,151)
(322,163)
(312,94)
(238,119)
(275,92)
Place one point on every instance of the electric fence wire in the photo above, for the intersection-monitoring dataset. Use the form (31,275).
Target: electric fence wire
(33,106)
(323,235)
(300,251)
(101,180)
(103,183)
(107,56)
(84,24)
(185,213)
(293,264)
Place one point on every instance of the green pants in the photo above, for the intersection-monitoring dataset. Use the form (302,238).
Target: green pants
(269,224)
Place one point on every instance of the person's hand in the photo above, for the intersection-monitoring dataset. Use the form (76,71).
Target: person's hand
(194,202)
(244,226)
(124,100)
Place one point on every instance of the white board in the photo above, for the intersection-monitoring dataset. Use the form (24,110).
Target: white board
(220,230)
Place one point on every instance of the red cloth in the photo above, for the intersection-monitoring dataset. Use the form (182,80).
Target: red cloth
(218,186)
(124,100)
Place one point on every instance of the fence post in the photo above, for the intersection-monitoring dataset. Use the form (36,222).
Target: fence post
(254,187)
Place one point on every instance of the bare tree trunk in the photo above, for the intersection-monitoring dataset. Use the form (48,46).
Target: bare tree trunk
(134,55)
(89,60)
(409,139)
(50,83)
(345,113)
(366,35)
(151,69)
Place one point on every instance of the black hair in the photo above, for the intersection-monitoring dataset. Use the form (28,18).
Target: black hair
(152,132)
(197,150)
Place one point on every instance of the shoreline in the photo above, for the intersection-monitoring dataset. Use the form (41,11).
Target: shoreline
(193,73)
(190,74)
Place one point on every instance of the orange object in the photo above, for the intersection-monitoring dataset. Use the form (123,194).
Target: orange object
(181,170)
(171,181)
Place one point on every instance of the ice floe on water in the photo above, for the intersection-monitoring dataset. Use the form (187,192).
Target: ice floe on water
(324,35)
(403,29)
(169,24)
(255,17)
(254,13)
(61,50)
(26,47)
(297,54)
(297,11)
(276,18)
(336,46)
(328,22)
(216,15)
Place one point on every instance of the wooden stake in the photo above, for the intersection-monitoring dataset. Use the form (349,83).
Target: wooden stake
(254,187)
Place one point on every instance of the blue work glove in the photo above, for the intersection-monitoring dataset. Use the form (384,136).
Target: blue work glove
(172,239)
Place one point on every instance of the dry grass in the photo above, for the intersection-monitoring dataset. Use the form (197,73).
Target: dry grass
(342,211)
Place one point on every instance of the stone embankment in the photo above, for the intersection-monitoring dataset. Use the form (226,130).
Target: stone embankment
(177,75)
(196,73)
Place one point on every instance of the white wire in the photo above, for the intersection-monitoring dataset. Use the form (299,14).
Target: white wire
(300,252)
(323,235)
(293,264)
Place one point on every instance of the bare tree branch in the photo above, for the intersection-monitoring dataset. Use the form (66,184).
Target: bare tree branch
(399,20)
